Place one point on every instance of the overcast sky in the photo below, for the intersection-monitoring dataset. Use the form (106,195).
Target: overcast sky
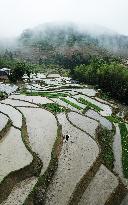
(17,15)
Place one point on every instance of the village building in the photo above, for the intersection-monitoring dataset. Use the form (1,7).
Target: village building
(4,73)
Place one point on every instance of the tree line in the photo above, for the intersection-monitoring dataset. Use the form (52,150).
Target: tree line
(111,77)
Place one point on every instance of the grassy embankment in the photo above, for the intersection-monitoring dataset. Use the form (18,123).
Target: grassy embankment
(46,94)
(71,103)
(53,107)
(124,141)
(105,139)
(90,105)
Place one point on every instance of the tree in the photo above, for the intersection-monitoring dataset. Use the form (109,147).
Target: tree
(18,72)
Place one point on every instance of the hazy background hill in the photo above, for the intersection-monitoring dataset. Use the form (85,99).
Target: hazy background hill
(52,43)
(62,37)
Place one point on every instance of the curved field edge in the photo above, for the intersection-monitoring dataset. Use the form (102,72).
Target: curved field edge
(67,113)
(84,182)
(117,195)
(14,177)
(120,192)
(6,128)
(38,194)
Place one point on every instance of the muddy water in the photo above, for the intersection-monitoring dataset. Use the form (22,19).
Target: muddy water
(100,188)
(18,103)
(20,192)
(32,99)
(14,115)
(42,131)
(103,121)
(13,153)
(3,121)
(85,123)
(77,155)
(87,91)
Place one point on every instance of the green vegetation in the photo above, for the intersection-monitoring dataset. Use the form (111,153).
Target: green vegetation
(2,95)
(20,67)
(17,176)
(105,139)
(71,103)
(52,107)
(124,141)
(110,77)
(104,95)
(90,105)
(47,94)
(114,118)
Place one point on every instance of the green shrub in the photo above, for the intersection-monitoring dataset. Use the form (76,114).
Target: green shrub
(2,95)
(55,108)
(47,94)
(71,103)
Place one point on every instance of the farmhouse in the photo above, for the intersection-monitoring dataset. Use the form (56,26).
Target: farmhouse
(4,72)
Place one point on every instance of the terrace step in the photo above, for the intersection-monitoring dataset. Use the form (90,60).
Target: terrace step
(86,124)
(18,103)
(42,132)
(77,156)
(20,192)
(3,121)
(32,99)
(15,115)
(103,121)
(100,189)
(13,153)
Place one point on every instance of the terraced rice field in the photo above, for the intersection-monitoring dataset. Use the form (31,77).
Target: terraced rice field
(64,104)
(55,157)
(100,189)
(96,116)
(13,153)
(42,131)
(75,160)
(3,121)
(18,103)
(31,99)
(106,109)
(88,92)
(20,192)
(14,115)
(85,123)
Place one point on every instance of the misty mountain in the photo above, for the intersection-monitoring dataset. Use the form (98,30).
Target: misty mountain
(57,35)
(49,42)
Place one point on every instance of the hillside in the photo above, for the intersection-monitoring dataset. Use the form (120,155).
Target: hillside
(50,43)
